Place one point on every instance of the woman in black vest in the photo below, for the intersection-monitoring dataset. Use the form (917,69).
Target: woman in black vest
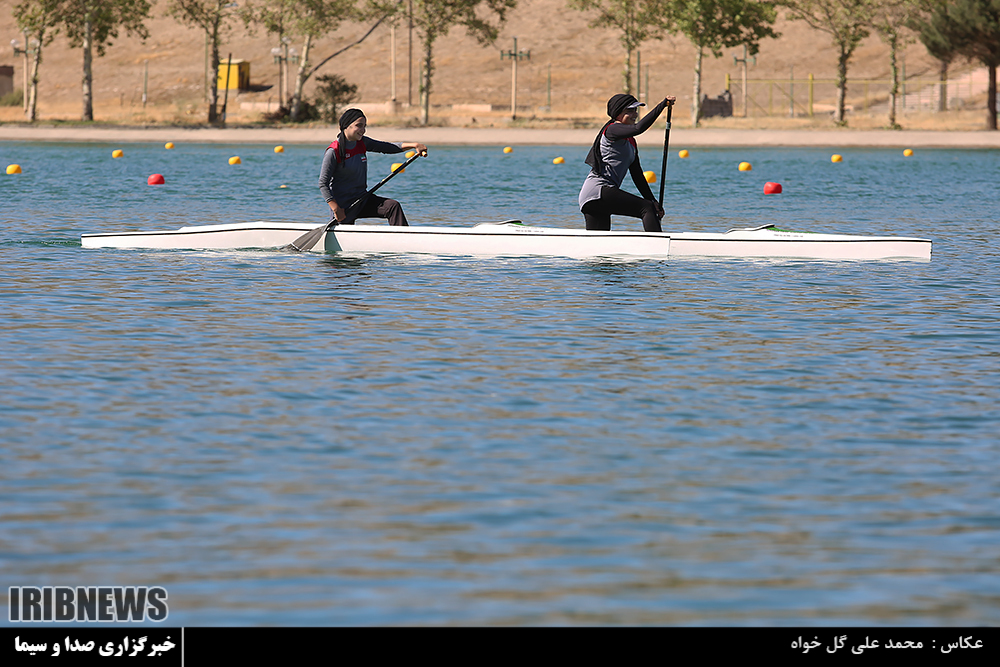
(613,154)
(343,178)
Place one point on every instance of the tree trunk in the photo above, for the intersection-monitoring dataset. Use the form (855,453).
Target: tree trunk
(991,99)
(32,111)
(943,87)
(627,72)
(88,75)
(845,55)
(894,89)
(696,100)
(213,86)
(300,81)
(425,79)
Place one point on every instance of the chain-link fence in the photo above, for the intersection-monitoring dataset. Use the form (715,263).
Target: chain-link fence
(810,96)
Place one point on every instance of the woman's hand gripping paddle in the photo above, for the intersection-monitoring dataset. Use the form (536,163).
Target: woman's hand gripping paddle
(310,238)
(666,147)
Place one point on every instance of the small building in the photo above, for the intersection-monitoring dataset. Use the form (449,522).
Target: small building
(720,106)
(238,77)
(6,79)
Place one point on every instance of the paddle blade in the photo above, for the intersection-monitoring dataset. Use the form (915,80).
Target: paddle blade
(307,240)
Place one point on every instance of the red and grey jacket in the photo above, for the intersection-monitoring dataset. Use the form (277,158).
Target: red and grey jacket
(344,174)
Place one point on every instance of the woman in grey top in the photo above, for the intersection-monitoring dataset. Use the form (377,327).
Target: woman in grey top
(614,152)
(343,178)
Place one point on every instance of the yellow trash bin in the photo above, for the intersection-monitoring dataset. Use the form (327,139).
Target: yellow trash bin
(235,78)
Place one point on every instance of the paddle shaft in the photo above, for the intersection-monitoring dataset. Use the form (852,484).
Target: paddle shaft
(666,147)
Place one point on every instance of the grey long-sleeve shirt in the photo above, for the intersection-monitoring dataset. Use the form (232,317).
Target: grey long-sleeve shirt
(618,157)
(347,181)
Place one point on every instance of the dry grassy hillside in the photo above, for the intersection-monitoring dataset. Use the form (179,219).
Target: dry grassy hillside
(585,67)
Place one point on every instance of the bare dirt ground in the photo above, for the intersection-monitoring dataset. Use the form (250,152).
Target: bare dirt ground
(583,64)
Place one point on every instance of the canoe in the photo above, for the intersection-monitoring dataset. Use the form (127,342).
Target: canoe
(514,238)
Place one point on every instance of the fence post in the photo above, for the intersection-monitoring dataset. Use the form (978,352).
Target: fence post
(810,95)
(791,91)
(903,110)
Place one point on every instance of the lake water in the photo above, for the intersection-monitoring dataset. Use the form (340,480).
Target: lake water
(386,439)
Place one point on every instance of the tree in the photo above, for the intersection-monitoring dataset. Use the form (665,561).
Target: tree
(930,25)
(974,27)
(313,19)
(637,21)
(276,17)
(847,22)
(310,20)
(890,21)
(94,24)
(482,20)
(332,93)
(39,20)
(213,17)
(719,24)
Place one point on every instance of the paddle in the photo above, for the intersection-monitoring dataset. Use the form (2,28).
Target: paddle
(666,147)
(310,238)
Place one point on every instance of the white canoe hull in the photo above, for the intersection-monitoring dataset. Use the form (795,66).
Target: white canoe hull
(517,239)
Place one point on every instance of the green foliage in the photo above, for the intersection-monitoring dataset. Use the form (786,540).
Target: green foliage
(333,92)
(848,22)
(932,26)
(970,28)
(105,19)
(719,24)
(39,18)
(432,19)
(973,28)
(14,98)
(635,20)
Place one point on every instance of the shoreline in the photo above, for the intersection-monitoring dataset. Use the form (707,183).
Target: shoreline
(447,136)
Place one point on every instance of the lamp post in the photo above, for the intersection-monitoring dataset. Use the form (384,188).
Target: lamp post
(514,56)
(737,61)
(282,55)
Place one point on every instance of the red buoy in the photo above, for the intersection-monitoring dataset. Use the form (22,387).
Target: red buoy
(156,179)
(772,188)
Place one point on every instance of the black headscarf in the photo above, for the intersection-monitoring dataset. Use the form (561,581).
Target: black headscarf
(349,117)
(619,103)
(616,105)
(346,119)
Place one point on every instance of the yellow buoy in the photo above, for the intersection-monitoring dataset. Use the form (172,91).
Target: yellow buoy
(508,149)
(410,154)
(282,186)
(650,176)
(558,160)
(235,160)
(117,153)
(397,165)
(279,149)
(683,153)
(13,169)
(746,166)
(908,152)
(836,158)
(169,145)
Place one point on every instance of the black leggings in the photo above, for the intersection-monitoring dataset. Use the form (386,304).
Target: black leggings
(597,212)
(380,207)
